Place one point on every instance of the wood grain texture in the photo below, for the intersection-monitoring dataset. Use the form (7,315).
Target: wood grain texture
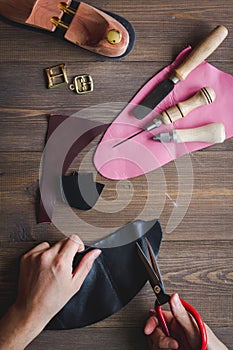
(162,30)
(199,281)
(209,210)
(196,257)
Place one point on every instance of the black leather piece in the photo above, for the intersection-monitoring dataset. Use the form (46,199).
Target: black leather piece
(116,277)
(80,191)
(94,129)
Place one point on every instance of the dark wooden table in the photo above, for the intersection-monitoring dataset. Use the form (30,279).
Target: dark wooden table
(196,257)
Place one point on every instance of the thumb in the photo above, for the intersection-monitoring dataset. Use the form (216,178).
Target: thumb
(84,267)
(185,320)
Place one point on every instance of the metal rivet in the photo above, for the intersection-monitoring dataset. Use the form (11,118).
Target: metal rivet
(114,36)
(157,289)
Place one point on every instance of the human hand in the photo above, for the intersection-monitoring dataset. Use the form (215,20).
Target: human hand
(47,280)
(46,283)
(180,323)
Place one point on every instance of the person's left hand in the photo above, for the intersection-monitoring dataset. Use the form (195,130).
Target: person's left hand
(47,280)
(46,283)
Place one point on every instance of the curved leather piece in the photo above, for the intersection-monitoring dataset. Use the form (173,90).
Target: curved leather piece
(116,277)
(80,191)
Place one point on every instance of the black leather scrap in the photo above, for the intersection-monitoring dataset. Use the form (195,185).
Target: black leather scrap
(80,191)
(116,277)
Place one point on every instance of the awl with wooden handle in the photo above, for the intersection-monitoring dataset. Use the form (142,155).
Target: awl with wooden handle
(212,133)
(203,97)
(205,48)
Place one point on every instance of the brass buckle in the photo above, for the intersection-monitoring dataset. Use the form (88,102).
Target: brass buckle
(82,84)
(56,76)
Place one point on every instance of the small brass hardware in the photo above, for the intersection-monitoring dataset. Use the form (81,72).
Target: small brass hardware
(114,37)
(82,84)
(66,9)
(58,22)
(56,76)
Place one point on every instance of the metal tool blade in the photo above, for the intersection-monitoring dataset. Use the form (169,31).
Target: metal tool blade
(128,138)
(148,127)
(154,279)
(149,103)
(153,98)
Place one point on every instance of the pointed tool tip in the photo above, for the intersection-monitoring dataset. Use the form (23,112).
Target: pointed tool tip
(117,144)
(128,138)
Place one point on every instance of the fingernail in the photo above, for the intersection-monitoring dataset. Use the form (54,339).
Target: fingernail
(152,312)
(171,344)
(176,301)
(147,330)
(97,253)
(75,238)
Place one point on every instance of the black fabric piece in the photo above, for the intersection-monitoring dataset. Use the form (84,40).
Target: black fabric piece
(116,277)
(80,191)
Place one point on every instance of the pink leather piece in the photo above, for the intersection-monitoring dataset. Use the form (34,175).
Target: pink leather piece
(141,154)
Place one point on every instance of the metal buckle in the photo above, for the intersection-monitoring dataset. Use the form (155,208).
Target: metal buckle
(56,76)
(82,84)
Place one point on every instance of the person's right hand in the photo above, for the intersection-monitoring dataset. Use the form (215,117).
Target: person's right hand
(180,323)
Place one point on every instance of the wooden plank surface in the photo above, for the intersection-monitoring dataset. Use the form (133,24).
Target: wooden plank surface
(196,257)
(209,211)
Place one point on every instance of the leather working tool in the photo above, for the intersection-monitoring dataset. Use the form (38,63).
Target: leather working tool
(162,298)
(144,156)
(204,96)
(198,54)
(91,28)
(212,133)
(115,278)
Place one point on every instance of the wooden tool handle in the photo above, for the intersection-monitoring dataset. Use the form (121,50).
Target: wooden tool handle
(213,133)
(204,49)
(203,97)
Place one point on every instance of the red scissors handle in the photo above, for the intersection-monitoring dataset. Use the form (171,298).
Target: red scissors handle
(196,316)
(199,321)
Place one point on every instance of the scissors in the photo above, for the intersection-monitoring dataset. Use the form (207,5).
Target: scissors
(162,298)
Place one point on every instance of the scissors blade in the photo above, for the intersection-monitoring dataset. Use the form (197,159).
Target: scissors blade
(154,278)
